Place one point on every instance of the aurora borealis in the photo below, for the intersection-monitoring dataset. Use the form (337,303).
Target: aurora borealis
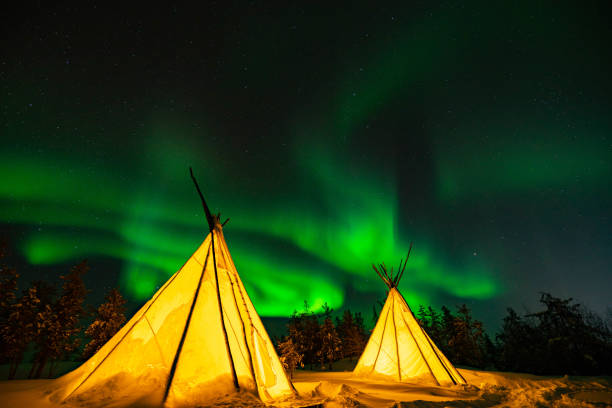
(331,138)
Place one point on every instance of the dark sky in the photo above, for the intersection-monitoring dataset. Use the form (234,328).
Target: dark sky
(332,136)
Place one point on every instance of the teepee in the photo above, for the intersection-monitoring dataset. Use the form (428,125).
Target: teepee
(399,349)
(197,339)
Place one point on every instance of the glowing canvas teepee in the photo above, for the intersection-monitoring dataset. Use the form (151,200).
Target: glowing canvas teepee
(198,338)
(399,349)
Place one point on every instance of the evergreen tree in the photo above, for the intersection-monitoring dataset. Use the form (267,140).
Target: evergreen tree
(434,327)
(60,322)
(488,351)
(447,333)
(359,323)
(357,337)
(564,338)
(8,296)
(351,331)
(516,343)
(304,331)
(330,345)
(431,321)
(296,332)
(312,339)
(108,319)
(375,310)
(22,327)
(422,318)
(564,330)
(467,338)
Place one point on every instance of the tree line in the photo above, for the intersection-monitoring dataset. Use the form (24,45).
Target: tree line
(319,340)
(563,338)
(52,322)
(49,320)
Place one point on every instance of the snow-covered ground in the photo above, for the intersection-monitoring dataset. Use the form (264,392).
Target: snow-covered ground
(342,389)
(485,389)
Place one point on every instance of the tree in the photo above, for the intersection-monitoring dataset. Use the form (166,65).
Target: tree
(311,340)
(564,338)
(312,337)
(446,333)
(8,285)
(430,320)
(352,334)
(421,316)
(8,295)
(434,327)
(296,332)
(467,338)
(304,331)
(330,343)
(375,309)
(516,342)
(108,319)
(60,322)
(289,356)
(21,328)
(488,351)
(565,329)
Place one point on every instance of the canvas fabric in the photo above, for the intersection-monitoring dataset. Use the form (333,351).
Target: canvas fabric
(173,352)
(399,349)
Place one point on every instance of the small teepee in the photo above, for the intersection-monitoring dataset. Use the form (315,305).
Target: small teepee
(399,349)
(197,339)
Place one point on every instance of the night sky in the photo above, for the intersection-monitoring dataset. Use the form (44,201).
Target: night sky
(331,136)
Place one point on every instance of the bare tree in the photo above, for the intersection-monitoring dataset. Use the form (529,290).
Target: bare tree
(289,356)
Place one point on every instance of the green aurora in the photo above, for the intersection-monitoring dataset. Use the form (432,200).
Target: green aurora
(482,136)
(152,236)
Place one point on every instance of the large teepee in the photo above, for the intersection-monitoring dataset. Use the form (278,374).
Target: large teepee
(399,349)
(197,339)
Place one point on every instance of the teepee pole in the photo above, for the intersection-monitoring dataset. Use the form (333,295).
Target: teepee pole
(381,277)
(397,349)
(211,224)
(433,347)
(128,331)
(179,349)
(404,268)
(142,315)
(209,217)
(244,332)
(382,336)
(383,268)
(417,344)
(227,345)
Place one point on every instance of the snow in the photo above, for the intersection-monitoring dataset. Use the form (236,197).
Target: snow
(343,389)
(485,389)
